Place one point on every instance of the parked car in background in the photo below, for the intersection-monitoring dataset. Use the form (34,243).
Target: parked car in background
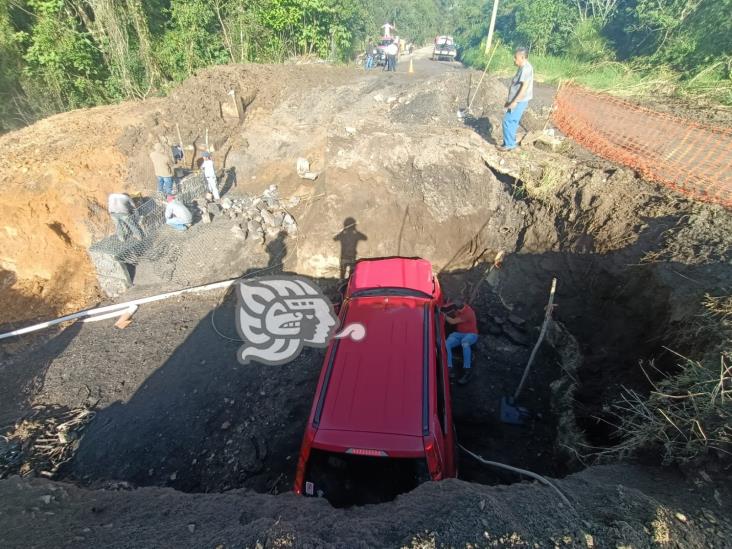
(444,49)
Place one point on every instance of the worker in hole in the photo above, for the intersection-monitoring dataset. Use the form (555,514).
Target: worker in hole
(462,317)
(122,210)
(177,215)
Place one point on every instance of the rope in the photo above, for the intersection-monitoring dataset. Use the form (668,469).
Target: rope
(488,64)
(519,471)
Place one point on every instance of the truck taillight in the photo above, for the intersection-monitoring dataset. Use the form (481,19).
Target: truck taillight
(302,461)
(433,462)
(366,452)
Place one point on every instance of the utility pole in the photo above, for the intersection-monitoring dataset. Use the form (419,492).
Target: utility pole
(492,26)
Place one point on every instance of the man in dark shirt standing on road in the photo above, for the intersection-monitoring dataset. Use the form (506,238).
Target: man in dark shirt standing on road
(465,335)
(520,92)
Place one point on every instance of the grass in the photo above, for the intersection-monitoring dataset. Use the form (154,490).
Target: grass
(543,186)
(539,182)
(687,415)
(622,79)
(552,69)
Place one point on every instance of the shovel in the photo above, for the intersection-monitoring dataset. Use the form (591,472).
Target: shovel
(511,413)
(462,113)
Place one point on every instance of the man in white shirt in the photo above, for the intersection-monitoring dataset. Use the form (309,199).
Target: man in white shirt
(209,172)
(177,215)
(121,209)
(392,50)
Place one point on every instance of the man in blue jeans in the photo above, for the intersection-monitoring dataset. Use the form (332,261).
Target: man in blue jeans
(520,92)
(177,215)
(465,335)
(163,168)
(370,52)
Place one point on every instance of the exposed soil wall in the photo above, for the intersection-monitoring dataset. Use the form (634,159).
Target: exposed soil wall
(59,171)
(398,174)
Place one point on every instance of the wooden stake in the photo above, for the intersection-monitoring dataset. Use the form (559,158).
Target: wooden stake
(124,320)
(491,27)
(547,317)
(180,142)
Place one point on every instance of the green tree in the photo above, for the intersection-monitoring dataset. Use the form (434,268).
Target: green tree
(543,25)
(415,20)
(191,40)
(686,33)
(61,55)
(11,68)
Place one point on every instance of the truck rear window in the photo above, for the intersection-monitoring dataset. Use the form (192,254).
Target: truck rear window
(345,479)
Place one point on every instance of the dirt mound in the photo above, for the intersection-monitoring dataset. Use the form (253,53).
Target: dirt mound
(614,506)
(59,171)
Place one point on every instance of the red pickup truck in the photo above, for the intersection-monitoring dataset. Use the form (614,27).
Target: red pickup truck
(381,420)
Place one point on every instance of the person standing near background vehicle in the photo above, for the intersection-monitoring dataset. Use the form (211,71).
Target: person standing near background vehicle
(392,50)
(520,92)
(370,53)
(209,172)
(163,168)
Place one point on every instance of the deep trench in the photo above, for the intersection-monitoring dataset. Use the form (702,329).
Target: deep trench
(619,315)
(618,318)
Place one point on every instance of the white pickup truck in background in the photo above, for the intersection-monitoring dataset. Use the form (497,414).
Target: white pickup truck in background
(444,49)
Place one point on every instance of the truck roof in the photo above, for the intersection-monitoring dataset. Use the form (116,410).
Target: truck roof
(396,272)
(376,384)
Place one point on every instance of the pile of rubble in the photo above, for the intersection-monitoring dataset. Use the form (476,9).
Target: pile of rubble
(259,218)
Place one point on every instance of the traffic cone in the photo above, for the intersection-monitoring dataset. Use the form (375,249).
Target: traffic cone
(411,66)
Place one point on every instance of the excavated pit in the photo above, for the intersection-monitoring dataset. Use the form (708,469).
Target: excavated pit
(202,423)
(173,406)
(197,421)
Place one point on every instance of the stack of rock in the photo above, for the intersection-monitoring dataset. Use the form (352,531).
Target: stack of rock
(260,218)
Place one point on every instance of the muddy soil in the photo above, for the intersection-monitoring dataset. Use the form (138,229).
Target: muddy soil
(176,413)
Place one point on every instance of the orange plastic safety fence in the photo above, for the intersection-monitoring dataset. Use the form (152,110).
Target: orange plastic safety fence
(686,156)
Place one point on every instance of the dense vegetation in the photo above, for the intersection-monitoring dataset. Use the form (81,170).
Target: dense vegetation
(57,55)
(633,46)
